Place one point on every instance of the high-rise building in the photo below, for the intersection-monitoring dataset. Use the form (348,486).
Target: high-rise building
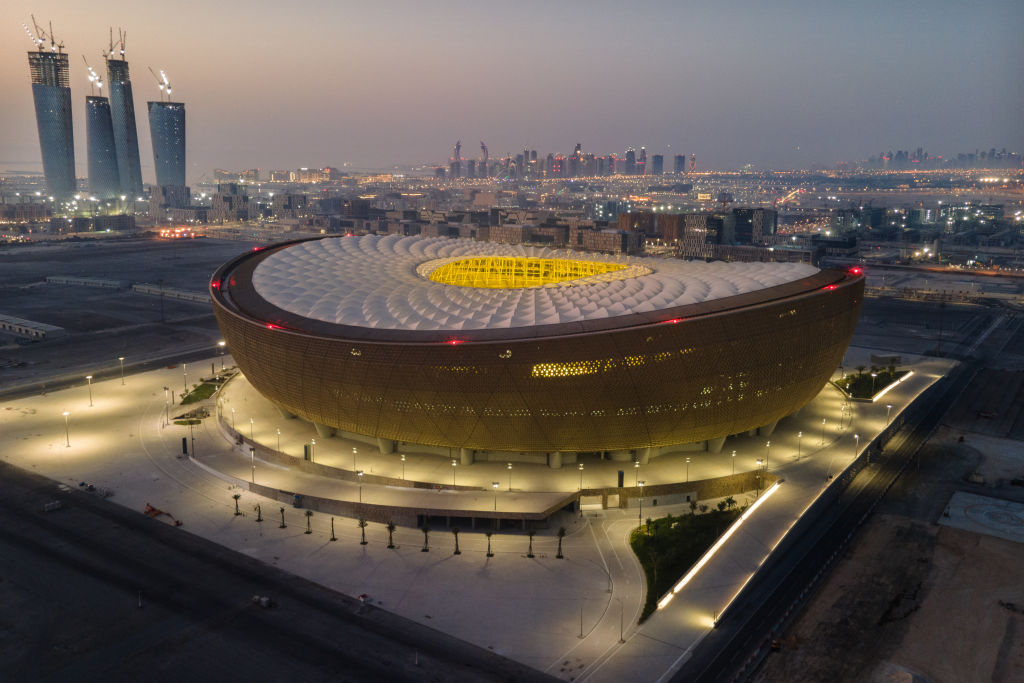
(104,180)
(679,163)
(657,164)
(753,226)
(641,163)
(167,130)
(630,166)
(51,93)
(126,136)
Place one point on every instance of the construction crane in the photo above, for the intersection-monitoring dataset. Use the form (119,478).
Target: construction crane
(162,83)
(37,38)
(95,81)
(119,45)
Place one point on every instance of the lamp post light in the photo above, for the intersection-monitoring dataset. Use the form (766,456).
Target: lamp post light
(222,344)
(799,438)
(354,453)
(874,377)
(758,478)
(88,379)
(687,469)
(888,413)
(312,445)
(252,423)
(167,407)
(67,432)
(278,439)
(455,463)
(494,485)
(734,462)
(510,476)
(252,459)
(402,456)
(360,475)
(767,453)
(636,473)
(856,444)
(184,375)
(581,477)
(822,431)
(121,358)
(232,418)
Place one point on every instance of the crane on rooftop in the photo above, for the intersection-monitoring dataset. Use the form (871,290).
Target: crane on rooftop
(162,83)
(95,81)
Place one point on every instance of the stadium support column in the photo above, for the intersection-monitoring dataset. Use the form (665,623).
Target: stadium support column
(643,455)
(324,431)
(766,430)
(466,456)
(386,446)
(715,445)
(555,460)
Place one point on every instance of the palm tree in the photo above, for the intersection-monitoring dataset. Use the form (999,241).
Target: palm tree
(530,533)
(860,369)
(561,535)
(693,507)
(426,538)
(488,535)
(391,531)
(309,527)
(236,497)
(730,502)
(362,530)
(455,533)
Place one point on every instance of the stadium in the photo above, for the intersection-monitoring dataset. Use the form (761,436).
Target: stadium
(493,350)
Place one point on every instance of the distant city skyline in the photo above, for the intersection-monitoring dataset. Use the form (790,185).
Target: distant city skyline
(786,85)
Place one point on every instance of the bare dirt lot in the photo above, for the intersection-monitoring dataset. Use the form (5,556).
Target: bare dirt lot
(913,601)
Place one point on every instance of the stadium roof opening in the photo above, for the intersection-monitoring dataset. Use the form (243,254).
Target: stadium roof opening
(503,272)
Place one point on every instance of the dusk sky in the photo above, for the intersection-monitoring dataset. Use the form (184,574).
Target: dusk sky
(782,84)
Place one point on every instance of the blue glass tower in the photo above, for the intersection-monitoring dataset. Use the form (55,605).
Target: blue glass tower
(104,180)
(167,129)
(52,95)
(126,136)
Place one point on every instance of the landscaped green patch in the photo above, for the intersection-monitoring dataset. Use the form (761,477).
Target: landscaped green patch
(201,392)
(867,384)
(186,423)
(669,546)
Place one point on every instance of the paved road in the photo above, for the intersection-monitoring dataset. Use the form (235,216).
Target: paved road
(97,592)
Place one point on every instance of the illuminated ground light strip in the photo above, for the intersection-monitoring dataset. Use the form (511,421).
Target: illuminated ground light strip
(889,388)
(718,544)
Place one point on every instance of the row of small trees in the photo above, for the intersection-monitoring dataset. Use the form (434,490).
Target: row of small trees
(390,526)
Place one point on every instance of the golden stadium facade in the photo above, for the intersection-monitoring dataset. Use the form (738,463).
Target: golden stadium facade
(487,347)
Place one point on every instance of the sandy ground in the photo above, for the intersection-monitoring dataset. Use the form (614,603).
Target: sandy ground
(913,600)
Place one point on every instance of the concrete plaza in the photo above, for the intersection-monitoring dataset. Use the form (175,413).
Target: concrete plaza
(532,610)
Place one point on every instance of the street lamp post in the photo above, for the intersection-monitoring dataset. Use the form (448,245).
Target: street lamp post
(67,431)
(312,445)
(874,377)
(354,453)
(581,477)
(799,438)
(687,469)
(888,413)
(167,407)
(856,444)
(403,466)
(822,431)
(184,375)
(252,459)
(455,464)
(734,462)
(278,439)
(360,475)
(636,473)
(767,453)
(222,344)
(252,423)
(510,476)
(88,379)
(232,419)
(121,358)
(758,479)
(494,485)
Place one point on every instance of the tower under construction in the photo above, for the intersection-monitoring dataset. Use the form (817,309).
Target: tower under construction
(122,112)
(51,93)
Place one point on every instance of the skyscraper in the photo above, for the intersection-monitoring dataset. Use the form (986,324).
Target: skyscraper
(679,163)
(167,130)
(126,136)
(51,93)
(104,180)
(657,164)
